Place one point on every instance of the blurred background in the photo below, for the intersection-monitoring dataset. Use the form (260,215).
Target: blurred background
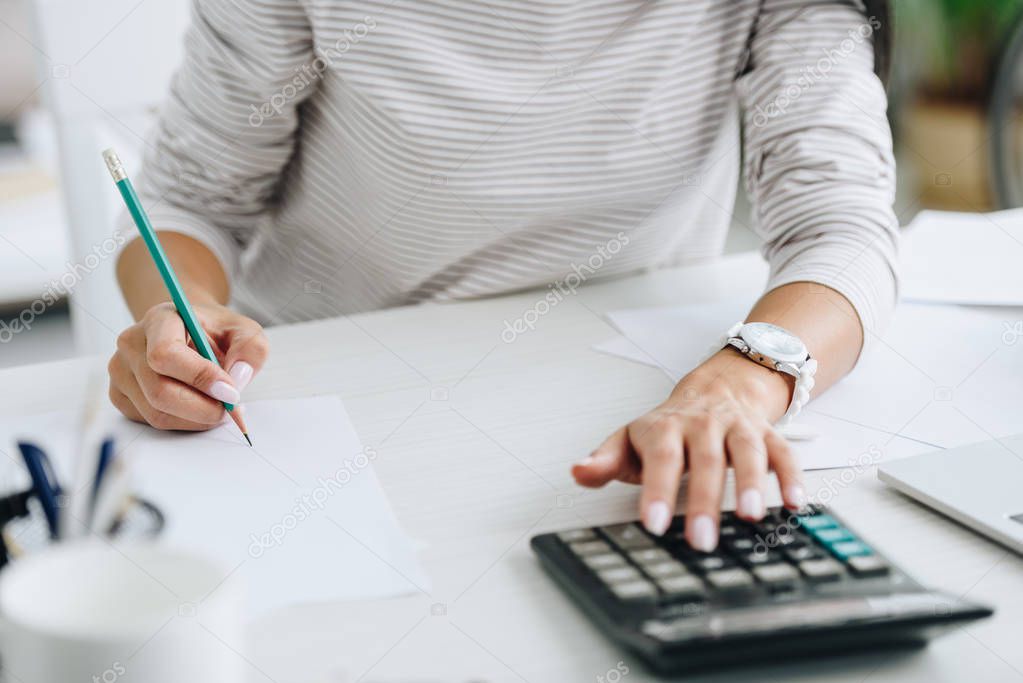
(954,89)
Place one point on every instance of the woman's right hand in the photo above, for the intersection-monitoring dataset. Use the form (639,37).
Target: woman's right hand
(157,376)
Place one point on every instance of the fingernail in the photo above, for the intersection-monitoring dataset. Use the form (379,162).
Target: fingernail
(222,391)
(586,462)
(703,534)
(658,517)
(241,373)
(796,496)
(751,504)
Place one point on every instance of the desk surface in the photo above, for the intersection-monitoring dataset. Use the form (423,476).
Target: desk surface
(475,437)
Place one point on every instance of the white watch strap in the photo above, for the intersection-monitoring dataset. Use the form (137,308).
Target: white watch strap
(801,394)
(804,382)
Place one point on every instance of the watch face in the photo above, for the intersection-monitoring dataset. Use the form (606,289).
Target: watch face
(774,342)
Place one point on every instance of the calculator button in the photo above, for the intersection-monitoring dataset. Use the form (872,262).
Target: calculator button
(803,552)
(833,535)
(577,535)
(628,536)
(727,530)
(740,545)
(634,591)
(785,538)
(590,548)
(815,522)
(868,565)
(619,575)
(650,556)
(682,587)
(755,559)
(776,575)
(848,549)
(665,569)
(604,561)
(730,579)
(710,563)
(665,631)
(824,569)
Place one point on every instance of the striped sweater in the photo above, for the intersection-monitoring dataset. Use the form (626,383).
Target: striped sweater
(344,156)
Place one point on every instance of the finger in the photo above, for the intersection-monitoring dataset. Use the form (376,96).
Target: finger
(123,404)
(126,383)
(247,349)
(611,460)
(790,476)
(748,455)
(705,456)
(168,354)
(659,446)
(177,398)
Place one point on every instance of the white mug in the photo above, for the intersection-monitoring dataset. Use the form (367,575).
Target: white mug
(91,611)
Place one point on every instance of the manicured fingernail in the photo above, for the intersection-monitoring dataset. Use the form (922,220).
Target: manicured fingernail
(222,391)
(796,496)
(751,504)
(703,533)
(241,373)
(658,517)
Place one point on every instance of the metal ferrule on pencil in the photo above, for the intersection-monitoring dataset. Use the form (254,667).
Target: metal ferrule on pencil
(114,165)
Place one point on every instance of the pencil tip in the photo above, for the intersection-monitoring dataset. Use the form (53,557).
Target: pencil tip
(247,439)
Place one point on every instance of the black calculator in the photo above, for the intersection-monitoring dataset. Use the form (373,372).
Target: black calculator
(792,584)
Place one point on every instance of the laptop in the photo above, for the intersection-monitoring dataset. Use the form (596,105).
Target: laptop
(979,485)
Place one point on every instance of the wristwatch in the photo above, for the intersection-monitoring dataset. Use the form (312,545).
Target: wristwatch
(776,348)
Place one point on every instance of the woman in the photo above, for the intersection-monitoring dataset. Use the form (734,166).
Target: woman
(319,157)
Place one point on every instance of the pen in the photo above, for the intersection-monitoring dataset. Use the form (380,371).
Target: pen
(93,438)
(112,498)
(46,488)
(106,453)
(163,265)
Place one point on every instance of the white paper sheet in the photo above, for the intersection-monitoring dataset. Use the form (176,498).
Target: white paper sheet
(941,376)
(300,518)
(964,258)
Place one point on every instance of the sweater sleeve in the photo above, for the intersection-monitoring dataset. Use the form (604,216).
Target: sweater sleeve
(819,166)
(227,128)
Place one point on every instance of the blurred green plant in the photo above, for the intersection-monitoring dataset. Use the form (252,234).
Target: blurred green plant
(953,43)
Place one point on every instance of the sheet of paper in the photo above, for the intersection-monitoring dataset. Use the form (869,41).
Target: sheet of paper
(678,338)
(941,376)
(964,258)
(300,518)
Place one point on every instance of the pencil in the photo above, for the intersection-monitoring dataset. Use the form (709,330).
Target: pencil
(145,226)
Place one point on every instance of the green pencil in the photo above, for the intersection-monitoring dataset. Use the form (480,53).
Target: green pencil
(145,226)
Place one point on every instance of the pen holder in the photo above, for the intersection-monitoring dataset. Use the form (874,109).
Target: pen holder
(85,611)
(24,529)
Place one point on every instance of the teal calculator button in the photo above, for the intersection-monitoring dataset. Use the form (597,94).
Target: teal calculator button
(834,535)
(847,549)
(818,522)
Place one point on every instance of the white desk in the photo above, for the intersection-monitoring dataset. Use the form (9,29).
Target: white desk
(475,438)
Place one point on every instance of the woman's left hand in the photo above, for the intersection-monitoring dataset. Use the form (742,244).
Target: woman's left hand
(720,414)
